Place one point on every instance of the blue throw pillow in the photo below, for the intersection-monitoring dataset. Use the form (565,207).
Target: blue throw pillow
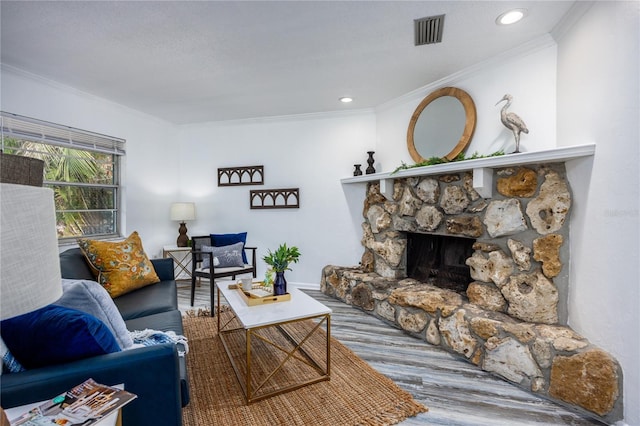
(90,297)
(219,240)
(55,335)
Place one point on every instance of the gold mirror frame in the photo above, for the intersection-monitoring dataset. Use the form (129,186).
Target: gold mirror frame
(469,127)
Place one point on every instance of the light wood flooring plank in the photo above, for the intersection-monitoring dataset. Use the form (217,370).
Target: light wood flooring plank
(456,392)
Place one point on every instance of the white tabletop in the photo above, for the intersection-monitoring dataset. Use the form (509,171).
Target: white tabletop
(300,306)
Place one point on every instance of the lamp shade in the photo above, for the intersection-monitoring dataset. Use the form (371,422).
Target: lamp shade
(183,211)
(29,261)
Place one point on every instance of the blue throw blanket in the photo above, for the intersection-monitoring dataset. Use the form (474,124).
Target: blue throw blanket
(150,337)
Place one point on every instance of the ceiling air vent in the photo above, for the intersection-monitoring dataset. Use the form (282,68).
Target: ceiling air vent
(428,30)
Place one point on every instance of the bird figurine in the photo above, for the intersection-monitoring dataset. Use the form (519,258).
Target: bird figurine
(512,121)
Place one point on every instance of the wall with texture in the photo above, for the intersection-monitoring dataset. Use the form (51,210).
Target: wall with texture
(598,102)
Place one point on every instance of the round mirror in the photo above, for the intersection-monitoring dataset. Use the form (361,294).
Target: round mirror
(442,125)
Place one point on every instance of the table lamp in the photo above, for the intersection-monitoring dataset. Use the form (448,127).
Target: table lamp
(29,258)
(183,212)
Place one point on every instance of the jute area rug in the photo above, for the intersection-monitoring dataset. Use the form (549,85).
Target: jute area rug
(355,395)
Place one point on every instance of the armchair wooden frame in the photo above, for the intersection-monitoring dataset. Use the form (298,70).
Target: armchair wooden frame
(197,256)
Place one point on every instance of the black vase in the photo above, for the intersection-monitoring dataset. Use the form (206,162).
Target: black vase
(370,161)
(357,171)
(280,284)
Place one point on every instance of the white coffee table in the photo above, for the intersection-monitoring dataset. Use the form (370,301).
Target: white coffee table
(253,319)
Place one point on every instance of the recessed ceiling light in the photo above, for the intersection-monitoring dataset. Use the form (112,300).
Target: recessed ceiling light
(511,16)
(346,99)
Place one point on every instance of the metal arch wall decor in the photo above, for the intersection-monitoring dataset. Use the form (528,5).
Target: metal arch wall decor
(247,175)
(288,198)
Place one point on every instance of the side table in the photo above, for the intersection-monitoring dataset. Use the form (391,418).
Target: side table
(181,261)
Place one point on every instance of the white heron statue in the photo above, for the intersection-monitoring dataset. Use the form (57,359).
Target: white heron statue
(512,121)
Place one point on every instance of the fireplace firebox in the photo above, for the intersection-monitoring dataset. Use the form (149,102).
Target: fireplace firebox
(439,260)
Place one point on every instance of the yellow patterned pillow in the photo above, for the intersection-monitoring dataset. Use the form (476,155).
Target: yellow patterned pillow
(120,267)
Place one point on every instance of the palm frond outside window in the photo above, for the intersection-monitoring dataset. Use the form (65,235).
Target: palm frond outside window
(82,168)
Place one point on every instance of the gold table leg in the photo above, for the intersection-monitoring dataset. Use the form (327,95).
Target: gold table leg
(252,395)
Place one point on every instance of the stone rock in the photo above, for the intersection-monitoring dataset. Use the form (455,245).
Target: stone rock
(428,190)
(429,298)
(524,332)
(553,332)
(522,184)
(398,188)
(520,254)
(412,181)
(385,270)
(507,171)
(455,333)
(390,207)
(549,210)
(373,197)
(485,247)
(568,345)
(478,206)
(477,356)
(361,296)
(429,218)
(510,359)
(404,223)
(486,296)
(386,311)
(504,217)
(342,288)
(367,236)
(391,249)
(538,384)
(408,204)
(588,379)
(561,338)
(413,322)
(367,261)
(465,225)
(378,219)
(433,334)
(532,297)
(547,250)
(496,268)
(449,178)
(467,184)
(454,200)
(485,327)
(328,280)
(542,352)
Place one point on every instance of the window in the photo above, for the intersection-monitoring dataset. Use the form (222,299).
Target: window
(82,168)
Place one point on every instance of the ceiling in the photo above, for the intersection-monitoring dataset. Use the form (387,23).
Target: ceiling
(197,61)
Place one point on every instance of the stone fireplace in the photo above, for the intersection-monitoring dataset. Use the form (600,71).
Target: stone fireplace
(483,277)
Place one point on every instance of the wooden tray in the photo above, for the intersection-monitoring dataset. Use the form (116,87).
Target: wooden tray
(252,300)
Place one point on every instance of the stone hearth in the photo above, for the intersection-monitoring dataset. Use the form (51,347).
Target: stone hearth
(512,319)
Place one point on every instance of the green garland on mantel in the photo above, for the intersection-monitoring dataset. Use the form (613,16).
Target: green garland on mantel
(440,160)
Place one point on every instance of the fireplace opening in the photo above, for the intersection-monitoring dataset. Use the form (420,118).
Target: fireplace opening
(439,260)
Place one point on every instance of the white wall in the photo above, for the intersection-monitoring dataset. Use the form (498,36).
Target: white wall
(598,102)
(167,163)
(527,73)
(150,172)
(307,152)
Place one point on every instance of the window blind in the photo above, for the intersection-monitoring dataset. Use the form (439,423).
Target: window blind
(25,128)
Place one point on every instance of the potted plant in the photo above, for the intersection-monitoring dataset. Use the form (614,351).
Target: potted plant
(279,261)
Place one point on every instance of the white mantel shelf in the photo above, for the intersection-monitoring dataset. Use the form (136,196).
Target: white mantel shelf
(481,167)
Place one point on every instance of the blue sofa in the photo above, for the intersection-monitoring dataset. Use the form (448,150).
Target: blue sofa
(156,374)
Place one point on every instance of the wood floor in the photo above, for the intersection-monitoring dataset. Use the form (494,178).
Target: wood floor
(455,391)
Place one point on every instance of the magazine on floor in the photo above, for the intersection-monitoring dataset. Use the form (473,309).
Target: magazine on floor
(84,405)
